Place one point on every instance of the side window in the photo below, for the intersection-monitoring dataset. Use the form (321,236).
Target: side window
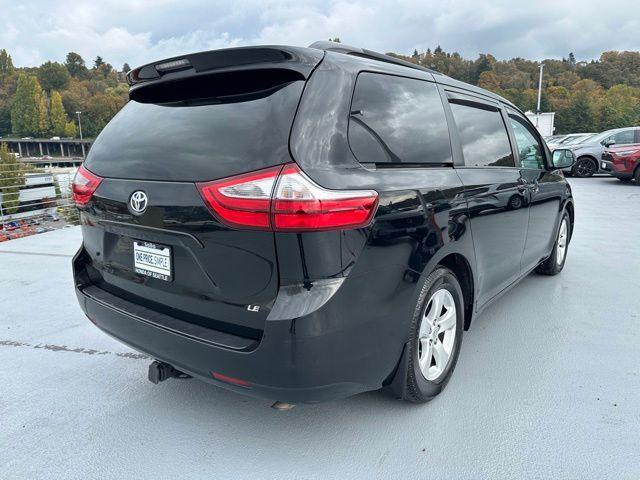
(398,120)
(624,137)
(485,142)
(529,148)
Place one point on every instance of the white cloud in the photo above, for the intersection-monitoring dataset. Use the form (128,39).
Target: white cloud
(138,31)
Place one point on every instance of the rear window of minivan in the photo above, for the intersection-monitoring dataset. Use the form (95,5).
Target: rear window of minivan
(398,120)
(187,141)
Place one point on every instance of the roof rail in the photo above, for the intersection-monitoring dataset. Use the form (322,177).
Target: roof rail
(363,52)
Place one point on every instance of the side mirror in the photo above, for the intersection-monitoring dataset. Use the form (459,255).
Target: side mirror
(607,143)
(563,158)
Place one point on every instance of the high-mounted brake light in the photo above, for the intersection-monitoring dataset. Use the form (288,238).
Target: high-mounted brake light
(84,185)
(283,198)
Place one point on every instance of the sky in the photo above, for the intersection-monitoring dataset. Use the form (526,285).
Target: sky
(140,31)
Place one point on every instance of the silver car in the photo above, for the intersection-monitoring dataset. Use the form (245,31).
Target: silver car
(561,141)
(589,152)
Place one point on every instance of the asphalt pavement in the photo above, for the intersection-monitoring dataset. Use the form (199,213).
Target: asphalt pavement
(547,384)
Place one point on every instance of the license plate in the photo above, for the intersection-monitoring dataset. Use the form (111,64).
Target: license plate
(152,260)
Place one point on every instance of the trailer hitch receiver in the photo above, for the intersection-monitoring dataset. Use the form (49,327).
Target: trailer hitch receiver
(160,371)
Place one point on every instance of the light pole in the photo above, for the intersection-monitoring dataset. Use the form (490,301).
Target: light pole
(541,67)
(82,143)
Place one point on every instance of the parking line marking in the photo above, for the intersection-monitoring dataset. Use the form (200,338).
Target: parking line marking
(17,252)
(64,348)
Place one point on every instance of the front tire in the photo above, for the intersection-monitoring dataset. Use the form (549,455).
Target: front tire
(436,336)
(555,263)
(584,168)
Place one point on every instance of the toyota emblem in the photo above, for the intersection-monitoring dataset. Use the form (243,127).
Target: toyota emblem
(138,202)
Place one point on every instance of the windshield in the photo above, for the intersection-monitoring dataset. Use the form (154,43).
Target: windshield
(578,139)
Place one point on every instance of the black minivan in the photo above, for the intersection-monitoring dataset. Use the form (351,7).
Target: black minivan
(305,224)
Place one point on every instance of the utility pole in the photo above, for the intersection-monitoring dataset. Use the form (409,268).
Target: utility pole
(82,143)
(541,67)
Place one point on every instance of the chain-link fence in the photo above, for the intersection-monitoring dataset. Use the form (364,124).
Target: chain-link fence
(35,200)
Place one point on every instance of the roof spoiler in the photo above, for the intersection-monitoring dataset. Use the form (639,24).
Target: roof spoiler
(301,60)
(364,53)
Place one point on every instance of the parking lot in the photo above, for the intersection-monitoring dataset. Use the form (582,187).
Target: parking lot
(547,385)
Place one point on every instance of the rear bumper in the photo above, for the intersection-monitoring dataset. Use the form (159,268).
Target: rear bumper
(304,360)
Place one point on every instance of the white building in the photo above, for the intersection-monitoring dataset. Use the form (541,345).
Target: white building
(543,122)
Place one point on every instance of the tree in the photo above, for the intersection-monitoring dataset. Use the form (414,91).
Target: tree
(6,64)
(58,117)
(572,61)
(11,179)
(485,62)
(336,39)
(75,65)
(53,76)
(126,68)
(70,129)
(104,69)
(490,81)
(579,116)
(618,107)
(98,62)
(24,113)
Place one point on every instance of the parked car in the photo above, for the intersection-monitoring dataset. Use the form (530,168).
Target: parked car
(569,139)
(623,162)
(313,237)
(589,152)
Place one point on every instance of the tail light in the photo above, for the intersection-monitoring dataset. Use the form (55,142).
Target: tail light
(283,198)
(84,185)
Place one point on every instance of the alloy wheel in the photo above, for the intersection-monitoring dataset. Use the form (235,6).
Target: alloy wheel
(561,246)
(437,335)
(585,168)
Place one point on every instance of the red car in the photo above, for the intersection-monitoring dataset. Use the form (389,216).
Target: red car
(623,162)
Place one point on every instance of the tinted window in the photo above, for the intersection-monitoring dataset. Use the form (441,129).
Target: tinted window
(529,149)
(196,142)
(398,120)
(483,135)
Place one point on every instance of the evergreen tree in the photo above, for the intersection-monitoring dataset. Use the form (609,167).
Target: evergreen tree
(53,76)
(70,129)
(578,113)
(6,64)
(58,117)
(42,112)
(98,62)
(126,68)
(29,111)
(75,65)
(11,179)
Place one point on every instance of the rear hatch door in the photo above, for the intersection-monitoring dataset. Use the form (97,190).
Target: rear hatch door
(173,255)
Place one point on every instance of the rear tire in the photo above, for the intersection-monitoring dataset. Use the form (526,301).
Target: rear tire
(436,336)
(636,176)
(584,168)
(555,263)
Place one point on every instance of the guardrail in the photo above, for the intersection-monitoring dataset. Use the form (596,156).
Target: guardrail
(35,199)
